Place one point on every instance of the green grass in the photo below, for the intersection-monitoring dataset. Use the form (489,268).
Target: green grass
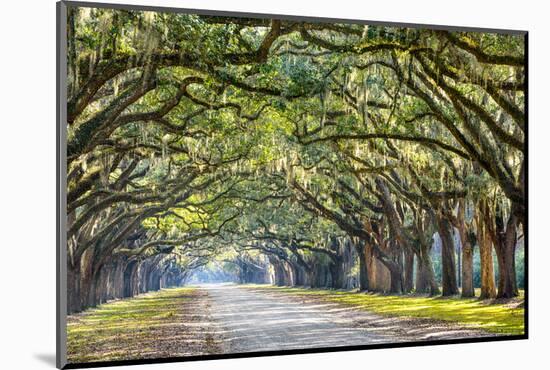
(495,318)
(123,329)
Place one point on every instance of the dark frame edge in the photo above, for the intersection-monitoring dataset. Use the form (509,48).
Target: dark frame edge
(61,186)
(290,17)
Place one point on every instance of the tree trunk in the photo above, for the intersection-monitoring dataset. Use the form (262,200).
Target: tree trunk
(467,253)
(395,267)
(467,270)
(297,273)
(488,289)
(86,280)
(73,289)
(289,277)
(505,249)
(378,274)
(91,296)
(409,270)
(337,274)
(448,264)
(425,276)
(119,279)
(280,275)
(396,279)
(128,278)
(507,287)
(363,271)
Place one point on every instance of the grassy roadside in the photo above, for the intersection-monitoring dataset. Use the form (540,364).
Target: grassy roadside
(158,324)
(495,318)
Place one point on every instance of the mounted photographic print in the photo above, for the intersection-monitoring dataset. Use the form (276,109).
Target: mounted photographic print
(234,185)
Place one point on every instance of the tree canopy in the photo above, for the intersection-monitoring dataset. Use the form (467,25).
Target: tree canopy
(290,145)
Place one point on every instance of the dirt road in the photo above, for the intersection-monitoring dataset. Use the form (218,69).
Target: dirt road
(226,318)
(247,320)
